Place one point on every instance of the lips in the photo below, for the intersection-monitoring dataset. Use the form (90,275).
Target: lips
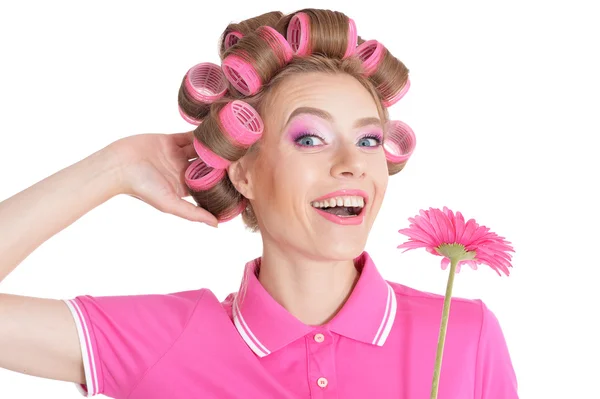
(344,220)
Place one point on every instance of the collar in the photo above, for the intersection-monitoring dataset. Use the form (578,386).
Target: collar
(266,326)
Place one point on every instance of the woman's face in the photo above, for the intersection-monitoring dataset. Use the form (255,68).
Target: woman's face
(322,135)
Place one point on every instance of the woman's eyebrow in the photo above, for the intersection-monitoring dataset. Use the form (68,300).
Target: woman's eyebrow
(321,113)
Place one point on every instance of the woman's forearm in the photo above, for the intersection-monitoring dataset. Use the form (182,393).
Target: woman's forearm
(32,216)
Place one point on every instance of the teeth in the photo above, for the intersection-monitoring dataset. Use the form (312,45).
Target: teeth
(347,200)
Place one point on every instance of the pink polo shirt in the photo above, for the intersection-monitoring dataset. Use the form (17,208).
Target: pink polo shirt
(381,344)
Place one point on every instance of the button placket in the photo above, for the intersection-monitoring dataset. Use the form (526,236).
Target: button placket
(321,364)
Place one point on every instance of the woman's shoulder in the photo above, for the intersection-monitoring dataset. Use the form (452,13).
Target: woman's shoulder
(427,303)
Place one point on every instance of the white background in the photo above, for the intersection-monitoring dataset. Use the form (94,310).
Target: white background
(504,103)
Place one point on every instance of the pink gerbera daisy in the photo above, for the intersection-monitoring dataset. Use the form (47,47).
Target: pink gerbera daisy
(444,234)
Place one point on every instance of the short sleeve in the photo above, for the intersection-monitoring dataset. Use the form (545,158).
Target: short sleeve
(495,375)
(121,337)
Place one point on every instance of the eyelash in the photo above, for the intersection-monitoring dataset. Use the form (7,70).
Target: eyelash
(301,135)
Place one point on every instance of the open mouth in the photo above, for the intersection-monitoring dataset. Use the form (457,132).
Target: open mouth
(343,211)
(344,206)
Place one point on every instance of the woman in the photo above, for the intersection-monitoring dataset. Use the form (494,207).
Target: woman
(294,144)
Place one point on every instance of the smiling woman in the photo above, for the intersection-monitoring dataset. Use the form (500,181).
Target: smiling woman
(292,132)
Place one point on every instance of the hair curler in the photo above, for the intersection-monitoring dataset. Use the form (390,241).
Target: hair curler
(233,212)
(232,38)
(188,118)
(202,84)
(239,68)
(298,35)
(209,157)
(201,177)
(373,54)
(394,99)
(400,142)
(240,123)
(352,38)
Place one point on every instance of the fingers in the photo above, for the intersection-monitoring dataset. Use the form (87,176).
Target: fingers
(183,139)
(186,210)
(189,152)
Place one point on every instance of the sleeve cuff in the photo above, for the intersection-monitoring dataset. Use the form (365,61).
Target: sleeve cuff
(90,388)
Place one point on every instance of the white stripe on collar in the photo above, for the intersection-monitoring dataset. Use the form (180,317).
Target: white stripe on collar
(388,318)
(247,335)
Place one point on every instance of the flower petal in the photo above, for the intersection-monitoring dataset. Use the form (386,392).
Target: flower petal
(434,215)
(437,225)
(445,262)
(472,264)
(425,225)
(448,212)
(479,233)
(459,225)
(452,223)
(411,245)
(448,226)
(470,228)
(416,233)
(433,251)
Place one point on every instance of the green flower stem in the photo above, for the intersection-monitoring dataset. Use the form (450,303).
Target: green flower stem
(443,326)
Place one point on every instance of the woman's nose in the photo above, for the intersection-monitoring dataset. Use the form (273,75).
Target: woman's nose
(349,162)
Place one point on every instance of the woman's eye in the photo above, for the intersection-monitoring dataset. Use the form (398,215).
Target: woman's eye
(369,142)
(309,140)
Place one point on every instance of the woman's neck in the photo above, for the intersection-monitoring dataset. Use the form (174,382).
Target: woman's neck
(313,290)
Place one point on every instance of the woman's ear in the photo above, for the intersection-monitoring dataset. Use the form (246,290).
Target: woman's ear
(240,176)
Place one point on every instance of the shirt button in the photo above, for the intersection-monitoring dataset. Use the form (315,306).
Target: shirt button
(322,382)
(319,337)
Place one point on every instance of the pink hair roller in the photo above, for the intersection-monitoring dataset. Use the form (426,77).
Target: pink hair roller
(209,157)
(352,38)
(232,38)
(241,122)
(398,96)
(370,53)
(234,211)
(297,33)
(242,74)
(199,176)
(265,31)
(187,118)
(400,142)
(205,82)
(299,29)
